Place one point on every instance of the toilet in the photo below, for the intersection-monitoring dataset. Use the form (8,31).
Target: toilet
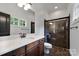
(47,46)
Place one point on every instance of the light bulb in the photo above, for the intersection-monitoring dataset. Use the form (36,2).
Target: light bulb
(27,6)
(20,4)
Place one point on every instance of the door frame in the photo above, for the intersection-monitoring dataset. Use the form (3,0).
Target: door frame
(32,28)
(68,27)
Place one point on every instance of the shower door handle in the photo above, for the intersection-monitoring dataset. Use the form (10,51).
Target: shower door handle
(54,38)
(75,27)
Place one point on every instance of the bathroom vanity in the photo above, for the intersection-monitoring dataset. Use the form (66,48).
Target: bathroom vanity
(28,46)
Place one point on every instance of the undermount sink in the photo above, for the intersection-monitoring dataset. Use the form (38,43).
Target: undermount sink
(31,37)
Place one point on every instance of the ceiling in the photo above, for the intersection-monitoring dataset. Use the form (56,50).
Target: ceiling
(49,7)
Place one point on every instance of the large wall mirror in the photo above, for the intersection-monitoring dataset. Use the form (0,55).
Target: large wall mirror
(4,24)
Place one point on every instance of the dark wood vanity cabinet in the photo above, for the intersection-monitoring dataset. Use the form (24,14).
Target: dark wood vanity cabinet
(32,49)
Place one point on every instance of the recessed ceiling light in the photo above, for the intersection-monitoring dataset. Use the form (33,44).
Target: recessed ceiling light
(56,7)
(50,23)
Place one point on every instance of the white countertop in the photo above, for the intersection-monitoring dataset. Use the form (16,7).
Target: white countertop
(10,43)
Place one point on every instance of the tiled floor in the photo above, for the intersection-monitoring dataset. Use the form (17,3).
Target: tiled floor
(58,51)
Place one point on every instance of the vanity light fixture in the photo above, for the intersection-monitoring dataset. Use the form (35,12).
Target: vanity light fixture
(26,6)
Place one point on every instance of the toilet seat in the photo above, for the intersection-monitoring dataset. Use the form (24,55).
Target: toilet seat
(47,45)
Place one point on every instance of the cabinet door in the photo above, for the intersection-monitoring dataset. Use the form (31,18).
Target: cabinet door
(20,51)
(41,47)
(33,51)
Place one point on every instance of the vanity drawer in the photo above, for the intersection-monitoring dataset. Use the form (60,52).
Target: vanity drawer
(31,45)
